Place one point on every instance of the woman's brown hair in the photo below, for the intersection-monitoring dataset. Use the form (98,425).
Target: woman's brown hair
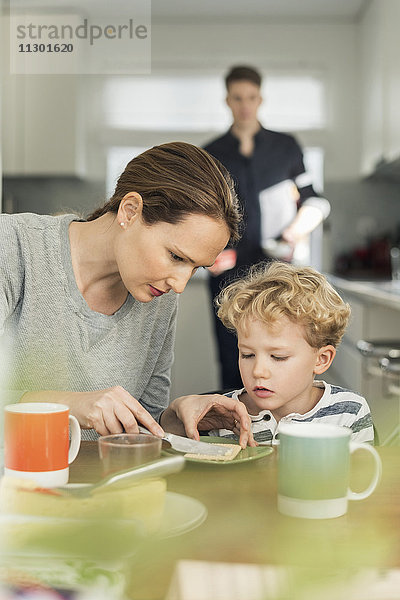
(175,180)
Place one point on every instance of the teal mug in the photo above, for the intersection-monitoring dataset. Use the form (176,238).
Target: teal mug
(314,470)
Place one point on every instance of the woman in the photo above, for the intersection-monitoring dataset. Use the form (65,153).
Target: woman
(88,308)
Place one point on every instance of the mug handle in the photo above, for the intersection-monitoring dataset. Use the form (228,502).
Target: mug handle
(75,438)
(377,475)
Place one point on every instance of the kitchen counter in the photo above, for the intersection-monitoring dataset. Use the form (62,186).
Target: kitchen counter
(375,315)
(386,293)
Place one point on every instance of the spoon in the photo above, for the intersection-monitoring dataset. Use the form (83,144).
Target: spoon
(157,468)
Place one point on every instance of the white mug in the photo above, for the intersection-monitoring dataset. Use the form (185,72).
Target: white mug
(314,470)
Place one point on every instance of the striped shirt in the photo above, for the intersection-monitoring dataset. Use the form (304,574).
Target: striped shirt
(337,406)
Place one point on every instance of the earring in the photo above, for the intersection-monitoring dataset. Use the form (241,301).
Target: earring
(122,224)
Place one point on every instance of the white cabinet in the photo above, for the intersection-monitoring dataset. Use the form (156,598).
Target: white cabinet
(346,369)
(391,87)
(371,87)
(42,129)
(370,321)
(380,83)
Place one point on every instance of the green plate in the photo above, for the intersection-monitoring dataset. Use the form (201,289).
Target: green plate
(249,453)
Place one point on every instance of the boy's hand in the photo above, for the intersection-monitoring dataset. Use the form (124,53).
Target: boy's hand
(213,411)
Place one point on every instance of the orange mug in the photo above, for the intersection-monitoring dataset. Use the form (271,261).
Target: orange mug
(36,442)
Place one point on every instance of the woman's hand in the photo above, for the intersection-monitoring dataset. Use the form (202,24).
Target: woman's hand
(207,412)
(225,260)
(112,410)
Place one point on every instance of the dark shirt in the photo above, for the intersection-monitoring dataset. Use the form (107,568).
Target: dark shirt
(277,157)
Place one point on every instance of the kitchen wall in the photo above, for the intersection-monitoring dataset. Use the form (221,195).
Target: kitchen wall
(211,47)
(362,210)
(187,47)
(359,207)
(332,49)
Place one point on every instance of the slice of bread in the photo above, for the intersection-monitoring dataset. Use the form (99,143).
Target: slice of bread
(232,450)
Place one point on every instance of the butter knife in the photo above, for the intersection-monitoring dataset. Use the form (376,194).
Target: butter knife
(189,446)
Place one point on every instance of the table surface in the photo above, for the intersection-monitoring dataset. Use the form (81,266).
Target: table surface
(244,526)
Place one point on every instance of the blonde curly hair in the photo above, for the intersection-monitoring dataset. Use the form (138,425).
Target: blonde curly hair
(273,290)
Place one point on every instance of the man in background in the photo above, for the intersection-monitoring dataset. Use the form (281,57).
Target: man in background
(280,205)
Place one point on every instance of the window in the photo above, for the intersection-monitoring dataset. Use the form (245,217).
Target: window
(175,103)
(293,103)
(197,103)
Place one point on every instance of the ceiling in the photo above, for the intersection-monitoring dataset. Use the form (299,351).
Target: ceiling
(348,10)
(277,9)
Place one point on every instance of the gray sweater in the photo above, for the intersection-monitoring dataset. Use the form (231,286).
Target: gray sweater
(51,340)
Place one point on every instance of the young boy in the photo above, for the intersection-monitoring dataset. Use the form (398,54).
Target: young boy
(289,321)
